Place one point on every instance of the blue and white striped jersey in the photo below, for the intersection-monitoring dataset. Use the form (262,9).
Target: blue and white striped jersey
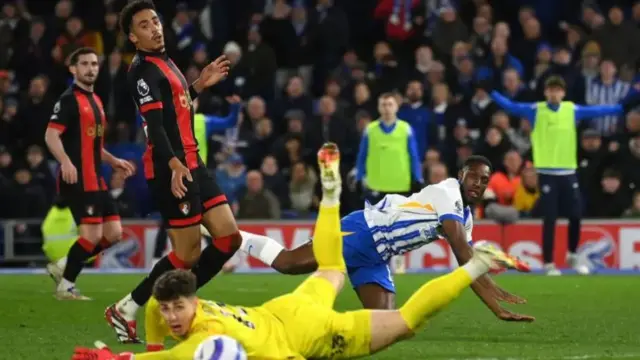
(400,224)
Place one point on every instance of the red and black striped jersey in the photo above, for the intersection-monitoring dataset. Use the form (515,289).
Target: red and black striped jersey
(163,97)
(79,116)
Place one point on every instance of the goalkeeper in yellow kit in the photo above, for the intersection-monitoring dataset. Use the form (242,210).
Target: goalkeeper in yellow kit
(302,324)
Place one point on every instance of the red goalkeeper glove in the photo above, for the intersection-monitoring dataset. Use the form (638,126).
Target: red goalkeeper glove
(101,352)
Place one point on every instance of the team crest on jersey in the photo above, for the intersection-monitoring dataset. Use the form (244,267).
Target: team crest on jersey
(185,207)
(90,209)
(459,206)
(143,88)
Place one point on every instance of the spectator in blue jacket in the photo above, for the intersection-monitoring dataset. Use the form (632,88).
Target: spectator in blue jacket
(499,60)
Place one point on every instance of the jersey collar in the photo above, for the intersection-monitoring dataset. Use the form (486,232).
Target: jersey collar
(78,88)
(159,54)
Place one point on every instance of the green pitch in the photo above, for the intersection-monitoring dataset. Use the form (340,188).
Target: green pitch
(577,317)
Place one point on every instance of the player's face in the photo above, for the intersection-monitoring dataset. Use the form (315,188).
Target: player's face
(86,70)
(146,31)
(474,179)
(178,314)
(387,107)
(554,94)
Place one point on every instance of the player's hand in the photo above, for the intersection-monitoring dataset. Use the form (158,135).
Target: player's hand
(506,315)
(124,165)
(101,352)
(234,99)
(178,173)
(69,172)
(505,296)
(215,71)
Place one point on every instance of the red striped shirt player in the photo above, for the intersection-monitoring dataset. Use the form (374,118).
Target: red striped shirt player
(75,136)
(185,193)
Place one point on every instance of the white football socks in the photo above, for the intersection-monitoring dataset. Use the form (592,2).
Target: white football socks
(65,285)
(476,267)
(127,307)
(261,247)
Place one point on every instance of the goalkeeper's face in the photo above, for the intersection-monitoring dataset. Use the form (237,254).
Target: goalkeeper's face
(179,313)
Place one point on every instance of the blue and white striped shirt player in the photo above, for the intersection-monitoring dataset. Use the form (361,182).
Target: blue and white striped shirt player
(400,224)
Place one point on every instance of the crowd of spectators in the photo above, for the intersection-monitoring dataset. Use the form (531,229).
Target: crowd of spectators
(310,71)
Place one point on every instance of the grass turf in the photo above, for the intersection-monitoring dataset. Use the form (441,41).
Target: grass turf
(577,317)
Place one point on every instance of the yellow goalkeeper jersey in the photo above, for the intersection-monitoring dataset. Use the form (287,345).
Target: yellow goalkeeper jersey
(260,332)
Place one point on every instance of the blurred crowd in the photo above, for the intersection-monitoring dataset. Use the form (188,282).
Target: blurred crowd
(310,71)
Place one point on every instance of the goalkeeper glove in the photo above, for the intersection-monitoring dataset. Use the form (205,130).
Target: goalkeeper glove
(101,352)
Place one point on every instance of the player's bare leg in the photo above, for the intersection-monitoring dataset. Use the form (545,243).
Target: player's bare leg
(291,262)
(373,296)
(389,327)
(297,261)
(66,270)
(186,252)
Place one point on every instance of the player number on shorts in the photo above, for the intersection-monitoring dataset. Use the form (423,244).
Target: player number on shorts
(211,307)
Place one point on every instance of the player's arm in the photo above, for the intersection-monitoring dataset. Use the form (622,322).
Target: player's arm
(449,207)
(416,165)
(145,87)
(116,163)
(593,111)
(210,75)
(64,112)
(523,110)
(361,161)
(186,348)
(216,123)
(484,287)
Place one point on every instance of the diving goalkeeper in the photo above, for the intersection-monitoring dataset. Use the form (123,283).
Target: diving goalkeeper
(301,324)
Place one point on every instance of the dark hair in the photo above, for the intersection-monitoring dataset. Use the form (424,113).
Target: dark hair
(132,8)
(477,159)
(555,81)
(611,173)
(175,284)
(75,56)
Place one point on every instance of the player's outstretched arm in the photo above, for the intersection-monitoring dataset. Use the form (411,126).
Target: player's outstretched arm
(483,287)
(210,75)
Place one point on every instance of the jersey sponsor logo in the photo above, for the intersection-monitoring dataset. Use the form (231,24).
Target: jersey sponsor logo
(142,87)
(93,131)
(145,99)
(56,108)
(185,207)
(458,206)
(338,345)
(417,205)
(185,100)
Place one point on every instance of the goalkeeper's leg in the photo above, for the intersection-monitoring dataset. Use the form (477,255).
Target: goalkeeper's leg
(388,327)
(328,280)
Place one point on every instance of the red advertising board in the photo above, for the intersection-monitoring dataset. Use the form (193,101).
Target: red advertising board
(604,244)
